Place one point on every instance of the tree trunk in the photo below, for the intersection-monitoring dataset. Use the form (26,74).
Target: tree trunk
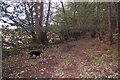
(47,19)
(44,38)
(63,9)
(118,30)
(74,10)
(66,22)
(38,23)
(30,19)
(110,23)
(119,18)
(99,32)
(32,23)
(33,36)
(46,25)
(41,14)
(116,9)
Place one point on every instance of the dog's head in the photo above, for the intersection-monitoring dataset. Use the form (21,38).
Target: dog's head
(41,51)
(29,53)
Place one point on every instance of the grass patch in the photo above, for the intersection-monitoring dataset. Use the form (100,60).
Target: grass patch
(100,57)
(109,48)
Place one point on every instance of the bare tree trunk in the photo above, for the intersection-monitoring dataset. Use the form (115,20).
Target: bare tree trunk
(37,23)
(119,17)
(33,36)
(47,19)
(26,12)
(30,19)
(44,39)
(41,14)
(64,12)
(67,36)
(118,30)
(74,15)
(32,22)
(99,32)
(46,24)
(116,8)
(110,23)
(74,10)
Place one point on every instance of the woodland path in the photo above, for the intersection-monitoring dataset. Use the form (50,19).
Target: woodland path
(68,60)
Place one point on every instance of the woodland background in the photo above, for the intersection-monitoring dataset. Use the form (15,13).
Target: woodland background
(47,25)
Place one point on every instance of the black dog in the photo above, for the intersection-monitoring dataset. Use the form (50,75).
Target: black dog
(36,53)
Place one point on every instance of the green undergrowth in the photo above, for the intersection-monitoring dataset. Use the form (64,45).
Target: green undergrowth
(100,57)
(21,49)
(104,53)
(110,49)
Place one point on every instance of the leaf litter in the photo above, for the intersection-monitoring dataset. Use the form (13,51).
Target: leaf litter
(78,59)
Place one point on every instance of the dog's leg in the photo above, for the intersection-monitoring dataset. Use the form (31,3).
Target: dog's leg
(31,55)
(35,56)
(39,56)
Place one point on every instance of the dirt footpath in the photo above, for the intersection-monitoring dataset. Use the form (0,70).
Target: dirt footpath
(68,60)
